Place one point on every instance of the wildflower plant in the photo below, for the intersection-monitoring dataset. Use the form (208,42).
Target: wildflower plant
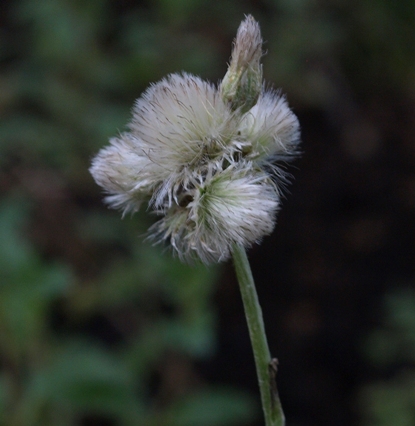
(205,158)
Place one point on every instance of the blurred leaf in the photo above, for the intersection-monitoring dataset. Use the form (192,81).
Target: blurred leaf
(392,347)
(82,378)
(27,286)
(214,407)
(391,402)
(395,342)
(4,397)
(63,30)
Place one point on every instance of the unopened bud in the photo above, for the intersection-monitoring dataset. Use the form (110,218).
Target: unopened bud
(242,83)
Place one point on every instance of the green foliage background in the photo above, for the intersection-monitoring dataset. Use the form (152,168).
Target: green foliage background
(97,327)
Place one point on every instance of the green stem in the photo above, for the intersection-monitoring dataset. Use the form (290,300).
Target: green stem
(265,366)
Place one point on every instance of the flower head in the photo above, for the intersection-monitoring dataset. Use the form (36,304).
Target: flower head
(204,156)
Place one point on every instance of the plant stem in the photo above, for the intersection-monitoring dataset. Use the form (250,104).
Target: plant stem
(265,366)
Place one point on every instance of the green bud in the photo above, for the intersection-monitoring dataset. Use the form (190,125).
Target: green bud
(242,83)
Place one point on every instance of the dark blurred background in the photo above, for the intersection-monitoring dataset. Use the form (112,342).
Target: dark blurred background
(97,327)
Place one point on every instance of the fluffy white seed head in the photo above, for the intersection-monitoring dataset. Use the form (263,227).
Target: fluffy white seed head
(272,127)
(182,123)
(233,206)
(203,160)
(124,171)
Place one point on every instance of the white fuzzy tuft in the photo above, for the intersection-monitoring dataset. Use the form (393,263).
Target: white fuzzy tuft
(233,206)
(204,165)
(272,127)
